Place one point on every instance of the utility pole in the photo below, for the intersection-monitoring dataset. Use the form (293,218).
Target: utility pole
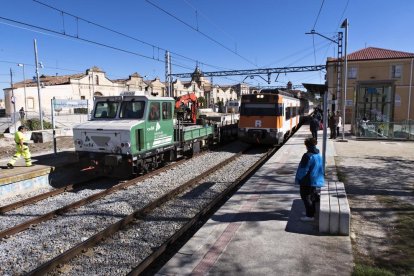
(168,77)
(38,86)
(13,99)
(24,83)
(345,25)
(338,66)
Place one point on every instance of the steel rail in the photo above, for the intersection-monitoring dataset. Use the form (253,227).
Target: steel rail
(25,225)
(113,228)
(144,265)
(34,199)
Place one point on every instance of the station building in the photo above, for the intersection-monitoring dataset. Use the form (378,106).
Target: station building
(379,89)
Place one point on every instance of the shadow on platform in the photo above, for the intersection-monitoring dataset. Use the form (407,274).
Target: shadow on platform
(295,225)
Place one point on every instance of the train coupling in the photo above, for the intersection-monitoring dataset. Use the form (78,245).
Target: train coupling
(112,160)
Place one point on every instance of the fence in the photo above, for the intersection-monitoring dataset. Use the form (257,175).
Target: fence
(386,130)
(62,120)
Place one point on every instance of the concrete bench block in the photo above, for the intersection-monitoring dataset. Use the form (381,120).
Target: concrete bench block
(334,214)
(42,136)
(324,209)
(345,211)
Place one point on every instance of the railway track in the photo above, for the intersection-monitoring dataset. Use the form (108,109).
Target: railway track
(31,200)
(5,233)
(142,207)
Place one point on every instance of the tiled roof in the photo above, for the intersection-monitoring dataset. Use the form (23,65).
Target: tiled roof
(48,80)
(371,53)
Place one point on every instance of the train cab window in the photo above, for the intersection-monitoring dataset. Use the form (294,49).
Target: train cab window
(259,109)
(105,110)
(154,111)
(166,111)
(132,110)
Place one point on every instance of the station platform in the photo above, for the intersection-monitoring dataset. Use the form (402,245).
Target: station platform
(22,180)
(258,231)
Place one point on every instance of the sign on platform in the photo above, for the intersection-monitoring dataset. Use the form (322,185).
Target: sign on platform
(70,103)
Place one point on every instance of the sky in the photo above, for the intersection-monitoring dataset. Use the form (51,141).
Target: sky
(126,36)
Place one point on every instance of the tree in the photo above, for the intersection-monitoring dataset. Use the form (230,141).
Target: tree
(202,101)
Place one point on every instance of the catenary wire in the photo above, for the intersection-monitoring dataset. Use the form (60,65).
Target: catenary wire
(121,34)
(203,34)
(319,13)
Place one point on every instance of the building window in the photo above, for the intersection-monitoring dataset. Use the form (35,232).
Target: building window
(30,103)
(396,71)
(352,73)
(97,80)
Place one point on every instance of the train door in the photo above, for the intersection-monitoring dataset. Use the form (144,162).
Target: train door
(166,131)
(153,124)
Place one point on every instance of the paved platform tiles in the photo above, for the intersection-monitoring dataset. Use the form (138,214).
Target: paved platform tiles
(22,179)
(259,232)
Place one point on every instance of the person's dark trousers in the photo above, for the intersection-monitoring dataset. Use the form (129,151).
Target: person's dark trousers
(307,195)
(315,134)
(337,131)
(333,133)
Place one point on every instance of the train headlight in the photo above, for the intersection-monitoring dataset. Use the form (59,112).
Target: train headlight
(78,142)
(125,145)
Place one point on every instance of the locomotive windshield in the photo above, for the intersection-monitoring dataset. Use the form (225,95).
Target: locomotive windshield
(106,109)
(132,110)
(261,109)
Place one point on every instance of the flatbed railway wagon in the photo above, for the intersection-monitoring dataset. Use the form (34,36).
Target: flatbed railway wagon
(268,118)
(129,135)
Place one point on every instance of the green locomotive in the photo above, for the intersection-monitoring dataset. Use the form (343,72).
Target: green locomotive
(130,135)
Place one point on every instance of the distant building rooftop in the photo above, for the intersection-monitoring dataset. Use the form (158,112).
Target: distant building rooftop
(372,53)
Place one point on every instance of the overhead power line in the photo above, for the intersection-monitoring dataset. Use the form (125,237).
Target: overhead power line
(86,40)
(203,34)
(121,34)
(211,22)
(319,13)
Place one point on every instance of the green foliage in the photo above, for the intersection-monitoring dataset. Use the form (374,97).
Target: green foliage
(364,270)
(34,124)
(401,249)
(80,110)
(399,258)
(202,101)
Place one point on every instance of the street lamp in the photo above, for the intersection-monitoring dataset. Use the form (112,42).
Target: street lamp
(13,99)
(24,82)
(345,26)
(38,86)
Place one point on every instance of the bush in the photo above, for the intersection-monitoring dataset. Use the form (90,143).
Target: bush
(80,110)
(34,124)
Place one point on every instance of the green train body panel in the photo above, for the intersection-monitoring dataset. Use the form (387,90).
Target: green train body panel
(196,132)
(152,134)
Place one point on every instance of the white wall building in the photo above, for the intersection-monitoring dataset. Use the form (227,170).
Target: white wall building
(85,86)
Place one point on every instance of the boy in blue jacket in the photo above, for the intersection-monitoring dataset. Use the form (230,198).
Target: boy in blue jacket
(310,176)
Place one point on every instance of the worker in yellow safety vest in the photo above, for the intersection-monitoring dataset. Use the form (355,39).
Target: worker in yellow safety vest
(22,149)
